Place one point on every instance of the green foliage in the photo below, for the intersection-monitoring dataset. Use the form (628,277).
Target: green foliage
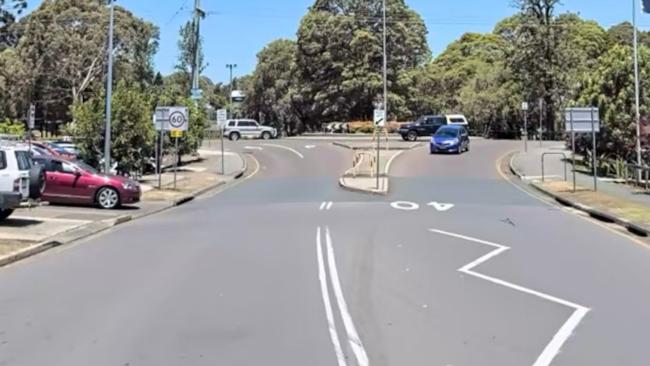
(9,127)
(132,133)
(132,128)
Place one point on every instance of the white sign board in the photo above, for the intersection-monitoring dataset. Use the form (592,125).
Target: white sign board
(581,119)
(171,118)
(31,121)
(524,106)
(380,118)
(222,117)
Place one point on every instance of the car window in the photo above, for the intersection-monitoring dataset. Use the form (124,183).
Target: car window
(247,124)
(23,160)
(61,167)
(439,121)
(3,160)
(457,120)
(232,124)
(429,121)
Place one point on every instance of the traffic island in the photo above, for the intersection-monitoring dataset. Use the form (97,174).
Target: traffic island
(362,177)
(633,216)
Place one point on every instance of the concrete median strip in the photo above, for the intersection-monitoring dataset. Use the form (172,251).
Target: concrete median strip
(571,200)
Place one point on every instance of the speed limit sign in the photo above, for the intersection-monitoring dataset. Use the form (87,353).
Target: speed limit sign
(171,118)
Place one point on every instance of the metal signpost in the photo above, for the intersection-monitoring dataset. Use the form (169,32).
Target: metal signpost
(524,107)
(31,122)
(175,120)
(541,122)
(584,120)
(380,122)
(222,119)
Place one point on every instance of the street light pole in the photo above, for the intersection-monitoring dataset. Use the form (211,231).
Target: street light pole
(196,72)
(637,90)
(109,91)
(230,66)
(385,74)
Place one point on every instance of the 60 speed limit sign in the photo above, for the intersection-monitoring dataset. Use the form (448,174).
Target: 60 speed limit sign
(171,118)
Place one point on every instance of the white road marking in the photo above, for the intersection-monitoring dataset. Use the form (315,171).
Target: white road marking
(326,205)
(253,148)
(441,207)
(390,161)
(553,347)
(309,147)
(286,148)
(322,206)
(353,337)
(405,205)
(326,300)
(329,205)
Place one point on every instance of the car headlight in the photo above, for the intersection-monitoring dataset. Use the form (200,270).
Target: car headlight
(130,186)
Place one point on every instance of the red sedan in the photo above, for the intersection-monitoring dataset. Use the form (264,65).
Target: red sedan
(78,183)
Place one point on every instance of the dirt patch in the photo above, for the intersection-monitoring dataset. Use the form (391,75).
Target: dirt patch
(12,246)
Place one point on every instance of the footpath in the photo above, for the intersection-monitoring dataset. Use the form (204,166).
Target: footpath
(616,202)
(33,230)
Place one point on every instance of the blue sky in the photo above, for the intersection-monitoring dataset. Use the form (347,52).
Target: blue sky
(235,31)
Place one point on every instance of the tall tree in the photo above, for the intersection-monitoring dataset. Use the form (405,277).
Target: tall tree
(8,11)
(339,57)
(64,48)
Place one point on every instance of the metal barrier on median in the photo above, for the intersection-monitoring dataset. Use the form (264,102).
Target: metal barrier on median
(566,175)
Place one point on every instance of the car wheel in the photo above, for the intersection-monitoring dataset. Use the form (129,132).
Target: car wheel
(412,136)
(234,136)
(5,213)
(108,198)
(266,135)
(36,182)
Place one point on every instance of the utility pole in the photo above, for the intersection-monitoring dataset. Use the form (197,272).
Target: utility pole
(385,73)
(196,67)
(109,91)
(541,122)
(230,66)
(637,91)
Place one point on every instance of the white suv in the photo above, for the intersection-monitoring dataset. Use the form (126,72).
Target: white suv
(19,181)
(248,128)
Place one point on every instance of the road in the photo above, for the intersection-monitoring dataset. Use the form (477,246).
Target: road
(456,266)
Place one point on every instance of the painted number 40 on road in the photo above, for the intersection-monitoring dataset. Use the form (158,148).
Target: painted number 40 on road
(412,206)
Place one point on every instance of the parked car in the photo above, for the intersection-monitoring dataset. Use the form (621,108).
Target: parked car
(68,147)
(63,151)
(58,152)
(428,125)
(74,182)
(19,180)
(450,138)
(248,128)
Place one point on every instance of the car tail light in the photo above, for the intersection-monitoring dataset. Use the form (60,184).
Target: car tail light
(17,185)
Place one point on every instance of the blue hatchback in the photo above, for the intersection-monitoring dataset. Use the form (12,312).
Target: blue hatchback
(450,138)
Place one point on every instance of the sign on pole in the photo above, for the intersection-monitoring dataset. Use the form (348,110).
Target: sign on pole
(31,121)
(380,118)
(579,120)
(171,118)
(524,106)
(222,117)
(584,120)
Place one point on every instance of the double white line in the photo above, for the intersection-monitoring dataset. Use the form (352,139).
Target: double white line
(353,339)
(325,206)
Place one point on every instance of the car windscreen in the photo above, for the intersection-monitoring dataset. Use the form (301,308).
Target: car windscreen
(447,132)
(23,159)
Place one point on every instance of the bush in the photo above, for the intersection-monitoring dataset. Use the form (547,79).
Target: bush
(9,127)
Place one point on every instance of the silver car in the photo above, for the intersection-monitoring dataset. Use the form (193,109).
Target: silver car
(248,128)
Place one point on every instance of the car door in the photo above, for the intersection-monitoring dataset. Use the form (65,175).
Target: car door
(248,128)
(62,180)
(436,123)
(424,127)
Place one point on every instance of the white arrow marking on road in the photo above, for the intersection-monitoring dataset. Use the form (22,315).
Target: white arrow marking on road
(286,148)
(553,347)
(309,147)
(253,148)
(405,205)
(441,207)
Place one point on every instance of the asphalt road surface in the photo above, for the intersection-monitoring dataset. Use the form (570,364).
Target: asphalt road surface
(457,266)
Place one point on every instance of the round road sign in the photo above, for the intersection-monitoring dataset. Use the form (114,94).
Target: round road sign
(177,119)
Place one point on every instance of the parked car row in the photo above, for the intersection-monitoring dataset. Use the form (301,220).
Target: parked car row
(51,172)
